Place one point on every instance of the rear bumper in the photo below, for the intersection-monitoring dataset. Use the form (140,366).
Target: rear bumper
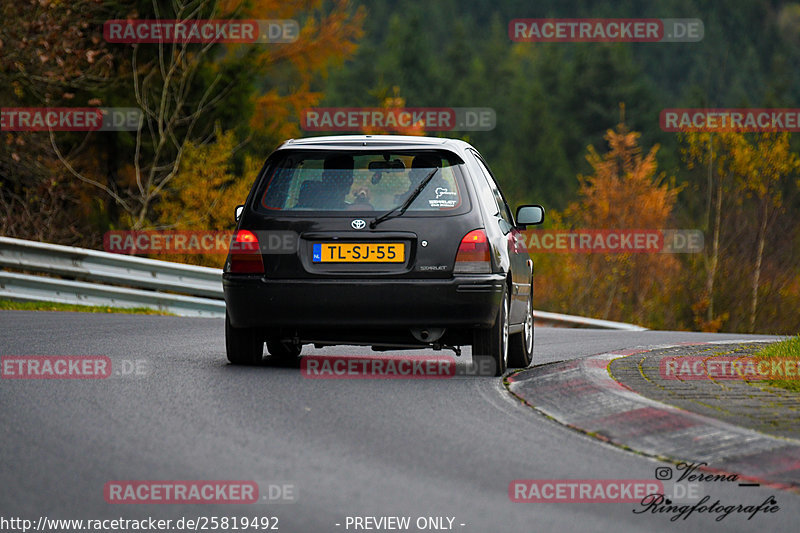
(465,301)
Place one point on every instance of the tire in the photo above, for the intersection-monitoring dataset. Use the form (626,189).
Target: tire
(493,341)
(244,346)
(520,345)
(283,350)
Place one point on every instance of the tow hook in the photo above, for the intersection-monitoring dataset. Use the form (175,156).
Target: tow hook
(456,349)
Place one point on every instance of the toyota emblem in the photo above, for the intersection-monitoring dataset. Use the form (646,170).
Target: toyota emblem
(358,224)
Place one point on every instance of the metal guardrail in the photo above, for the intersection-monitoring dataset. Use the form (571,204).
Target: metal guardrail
(582,322)
(110,268)
(39,288)
(200,288)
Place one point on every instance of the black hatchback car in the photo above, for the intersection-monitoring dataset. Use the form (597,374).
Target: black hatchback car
(393,242)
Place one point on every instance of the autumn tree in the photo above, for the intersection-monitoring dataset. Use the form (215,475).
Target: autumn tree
(761,167)
(391,101)
(183,89)
(710,151)
(51,54)
(755,171)
(210,205)
(286,73)
(624,191)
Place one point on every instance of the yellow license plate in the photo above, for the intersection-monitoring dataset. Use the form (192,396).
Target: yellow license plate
(359,252)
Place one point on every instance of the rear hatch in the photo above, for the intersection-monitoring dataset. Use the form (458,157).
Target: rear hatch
(313,210)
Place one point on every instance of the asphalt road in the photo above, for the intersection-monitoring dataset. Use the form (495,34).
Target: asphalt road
(418,448)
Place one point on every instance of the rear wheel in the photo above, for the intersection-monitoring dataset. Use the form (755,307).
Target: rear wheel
(493,342)
(244,346)
(283,350)
(520,346)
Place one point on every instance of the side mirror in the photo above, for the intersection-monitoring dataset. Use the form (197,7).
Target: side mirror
(530,215)
(238,213)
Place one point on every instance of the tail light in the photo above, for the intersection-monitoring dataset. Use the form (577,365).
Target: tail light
(474,255)
(245,254)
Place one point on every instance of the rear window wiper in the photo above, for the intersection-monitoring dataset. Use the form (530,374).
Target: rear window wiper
(399,210)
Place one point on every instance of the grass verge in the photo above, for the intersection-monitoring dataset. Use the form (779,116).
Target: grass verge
(6,305)
(788,349)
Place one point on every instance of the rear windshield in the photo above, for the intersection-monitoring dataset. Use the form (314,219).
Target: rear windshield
(339,181)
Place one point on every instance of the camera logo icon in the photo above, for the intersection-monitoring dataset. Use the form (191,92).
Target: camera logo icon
(663,473)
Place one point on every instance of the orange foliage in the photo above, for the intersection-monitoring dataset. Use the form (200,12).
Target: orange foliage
(205,193)
(396,103)
(623,192)
(325,39)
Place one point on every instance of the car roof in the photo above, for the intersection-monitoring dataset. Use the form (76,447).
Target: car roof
(349,142)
